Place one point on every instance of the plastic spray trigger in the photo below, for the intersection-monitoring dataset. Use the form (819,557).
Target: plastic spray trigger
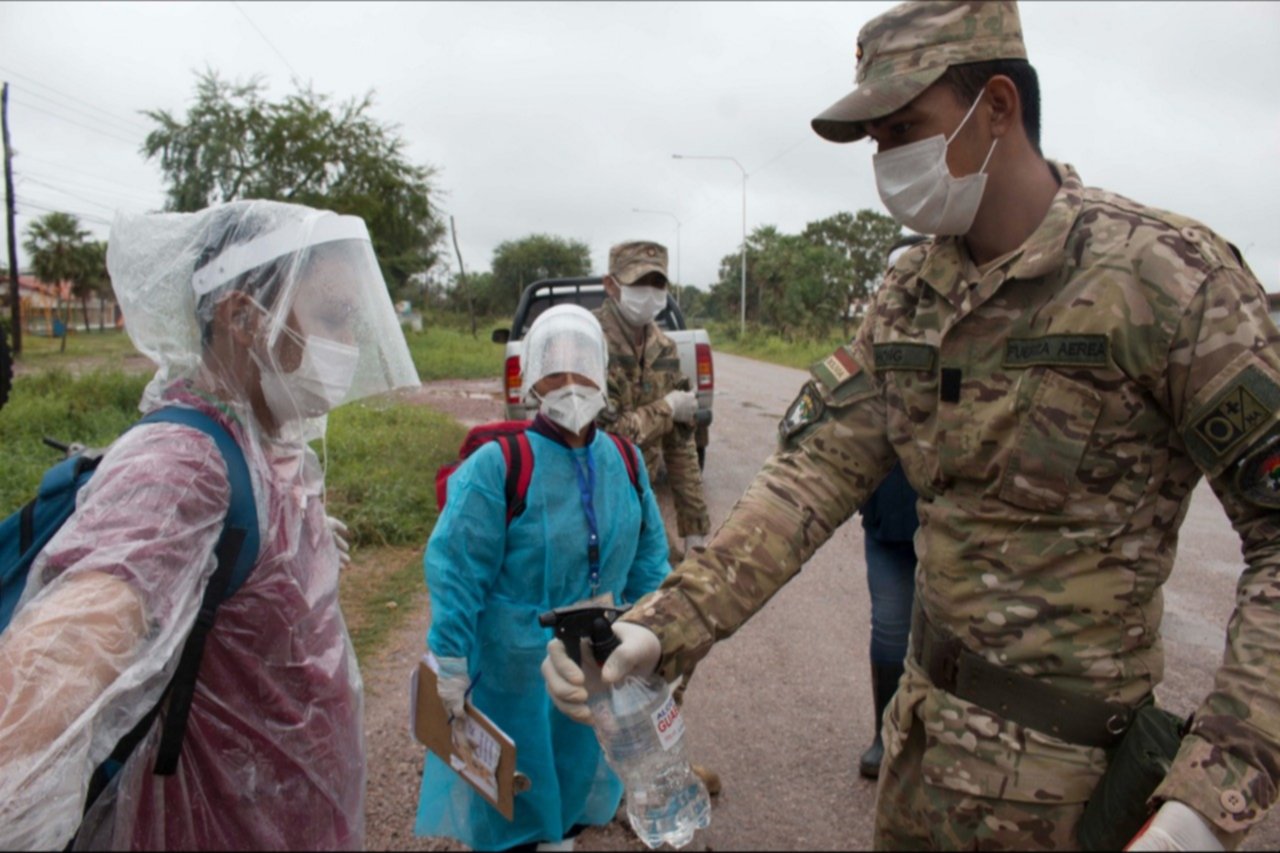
(574,624)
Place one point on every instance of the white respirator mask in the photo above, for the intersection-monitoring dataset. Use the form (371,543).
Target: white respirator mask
(319,385)
(919,190)
(641,304)
(572,406)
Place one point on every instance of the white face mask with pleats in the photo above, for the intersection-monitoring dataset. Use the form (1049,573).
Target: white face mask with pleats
(572,406)
(320,383)
(919,190)
(641,304)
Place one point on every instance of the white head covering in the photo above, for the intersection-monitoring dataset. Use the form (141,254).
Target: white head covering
(313,273)
(564,339)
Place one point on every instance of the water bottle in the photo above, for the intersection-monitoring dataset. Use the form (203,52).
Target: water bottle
(641,730)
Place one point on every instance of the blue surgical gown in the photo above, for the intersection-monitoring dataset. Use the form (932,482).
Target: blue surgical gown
(488,582)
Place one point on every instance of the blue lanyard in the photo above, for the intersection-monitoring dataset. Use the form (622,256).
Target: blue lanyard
(586,490)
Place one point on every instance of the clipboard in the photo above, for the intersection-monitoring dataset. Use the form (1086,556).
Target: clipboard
(492,770)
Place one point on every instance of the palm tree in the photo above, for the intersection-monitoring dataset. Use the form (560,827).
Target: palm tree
(55,243)
(90,278)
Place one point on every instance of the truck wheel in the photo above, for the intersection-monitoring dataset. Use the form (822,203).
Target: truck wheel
(702,436)
(6,367)
(702,458)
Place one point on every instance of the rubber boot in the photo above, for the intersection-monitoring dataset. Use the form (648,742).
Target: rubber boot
(884,681)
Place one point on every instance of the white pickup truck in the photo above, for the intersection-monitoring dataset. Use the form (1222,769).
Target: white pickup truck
(694,344)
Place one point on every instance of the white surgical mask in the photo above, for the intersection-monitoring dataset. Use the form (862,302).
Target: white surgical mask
(641,304)
(572,406)
(318,385)
(919,190)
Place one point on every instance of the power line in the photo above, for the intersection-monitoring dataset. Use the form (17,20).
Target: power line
(87,216)
(109,193)
(64,191)
(65,95)
(239,8)
(125,127)
(80,124)
(87,174)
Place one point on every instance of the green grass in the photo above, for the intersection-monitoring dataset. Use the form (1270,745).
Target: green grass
(445,352)
(92,409)
(108,349)
(772,348)
(378,592)
(381,469)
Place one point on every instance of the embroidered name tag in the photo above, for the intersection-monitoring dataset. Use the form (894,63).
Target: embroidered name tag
(905,357)
(1057,351)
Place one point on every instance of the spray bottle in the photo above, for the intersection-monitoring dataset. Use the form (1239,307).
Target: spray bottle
(640,729)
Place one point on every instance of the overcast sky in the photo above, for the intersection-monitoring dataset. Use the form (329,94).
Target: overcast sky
(561,118)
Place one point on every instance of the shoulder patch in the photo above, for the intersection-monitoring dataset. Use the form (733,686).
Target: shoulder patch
(1216,430)
(836,369)
(805,410)
(1257,477)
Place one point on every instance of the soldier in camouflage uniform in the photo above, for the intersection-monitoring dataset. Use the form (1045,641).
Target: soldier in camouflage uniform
(1055,376)
(650,401)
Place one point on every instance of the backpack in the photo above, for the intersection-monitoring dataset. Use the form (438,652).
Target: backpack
(26,532)
(518,455)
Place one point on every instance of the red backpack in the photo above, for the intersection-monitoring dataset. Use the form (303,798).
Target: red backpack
(516,452)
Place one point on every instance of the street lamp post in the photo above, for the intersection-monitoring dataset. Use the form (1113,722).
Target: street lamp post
(679,280)
(743,321)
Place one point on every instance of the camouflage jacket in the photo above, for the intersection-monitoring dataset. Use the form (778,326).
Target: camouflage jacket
(637,383)
(1054,413)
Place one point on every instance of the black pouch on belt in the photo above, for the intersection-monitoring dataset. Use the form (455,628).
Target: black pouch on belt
(1117,808)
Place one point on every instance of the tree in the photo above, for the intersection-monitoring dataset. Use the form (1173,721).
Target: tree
(517,263)
(90,278)
(235,144)
(862,240)
(56,243)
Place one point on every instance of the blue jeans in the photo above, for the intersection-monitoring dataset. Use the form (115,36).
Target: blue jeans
(891,579)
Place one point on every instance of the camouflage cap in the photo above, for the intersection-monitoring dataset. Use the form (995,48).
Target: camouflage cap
(630,261)
(904,51)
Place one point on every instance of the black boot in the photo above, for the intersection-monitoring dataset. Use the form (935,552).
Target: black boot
(884,681)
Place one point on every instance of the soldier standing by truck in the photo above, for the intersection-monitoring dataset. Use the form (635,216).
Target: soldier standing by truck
(650,401)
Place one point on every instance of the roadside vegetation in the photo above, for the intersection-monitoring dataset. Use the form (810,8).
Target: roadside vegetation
(772,347)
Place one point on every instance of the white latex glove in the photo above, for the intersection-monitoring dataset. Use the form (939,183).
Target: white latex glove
(637,655)
(340,534)
(452,683)
(692,541)
(1176,827)
(684,405)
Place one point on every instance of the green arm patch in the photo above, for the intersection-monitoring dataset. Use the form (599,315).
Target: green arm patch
(804,411)
(905,357)
(1058,351)
(1248,403)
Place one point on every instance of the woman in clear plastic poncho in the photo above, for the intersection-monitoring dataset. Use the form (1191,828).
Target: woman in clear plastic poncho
(263,316)
(489,581)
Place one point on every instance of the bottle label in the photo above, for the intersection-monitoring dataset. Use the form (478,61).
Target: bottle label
(669,723)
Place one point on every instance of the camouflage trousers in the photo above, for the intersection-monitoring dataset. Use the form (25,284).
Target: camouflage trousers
(914,815)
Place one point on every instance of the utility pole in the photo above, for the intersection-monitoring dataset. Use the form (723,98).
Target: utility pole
(462,277)
(15,304)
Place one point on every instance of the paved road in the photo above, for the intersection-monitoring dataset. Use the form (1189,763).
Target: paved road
(782,709)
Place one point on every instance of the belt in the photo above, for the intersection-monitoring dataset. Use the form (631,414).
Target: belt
(1022,699)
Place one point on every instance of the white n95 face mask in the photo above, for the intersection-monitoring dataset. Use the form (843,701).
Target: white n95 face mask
(572,406)
(919,190)
(640,304)
(318,385)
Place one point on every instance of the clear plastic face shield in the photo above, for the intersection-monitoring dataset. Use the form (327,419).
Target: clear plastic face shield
(564,339)
(282,309)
